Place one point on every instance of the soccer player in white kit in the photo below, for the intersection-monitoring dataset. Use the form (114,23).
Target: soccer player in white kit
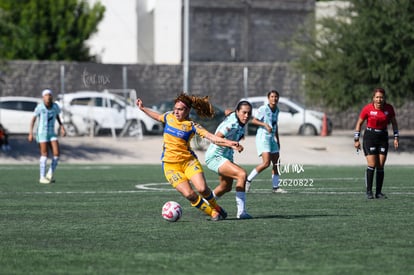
(220,159)
(48,113)
(267,140)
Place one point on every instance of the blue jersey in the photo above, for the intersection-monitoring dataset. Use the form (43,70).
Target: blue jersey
(231,130)
(47,118)
(266,115)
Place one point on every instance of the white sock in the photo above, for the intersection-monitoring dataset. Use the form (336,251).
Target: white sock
(43,161)
(252,175)
(215,196)
(241,202)
(275,181)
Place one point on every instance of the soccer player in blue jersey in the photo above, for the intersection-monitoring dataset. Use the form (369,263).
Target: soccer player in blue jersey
(220,159)
(48,113)
(267,140)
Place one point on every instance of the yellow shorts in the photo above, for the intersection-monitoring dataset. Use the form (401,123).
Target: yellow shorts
(179,172)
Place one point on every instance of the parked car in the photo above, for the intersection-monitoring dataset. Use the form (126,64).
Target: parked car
(293,118)
(209,123)
(16,113)
(86,110)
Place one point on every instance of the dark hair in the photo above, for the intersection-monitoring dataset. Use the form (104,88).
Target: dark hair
(379,90)
(244,103)
(273,92)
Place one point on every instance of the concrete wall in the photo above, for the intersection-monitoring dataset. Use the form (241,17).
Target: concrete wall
(223,82)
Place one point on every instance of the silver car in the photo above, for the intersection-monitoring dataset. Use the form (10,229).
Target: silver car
(293,118)
(16,113)
(84,111)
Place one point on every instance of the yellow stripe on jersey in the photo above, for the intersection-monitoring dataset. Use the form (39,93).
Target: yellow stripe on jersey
(177,136)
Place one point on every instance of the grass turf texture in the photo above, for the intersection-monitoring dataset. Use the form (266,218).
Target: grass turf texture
(94,221)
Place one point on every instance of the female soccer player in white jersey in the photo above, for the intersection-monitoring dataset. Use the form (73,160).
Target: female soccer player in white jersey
(47,112)
(220,159)
(267,140)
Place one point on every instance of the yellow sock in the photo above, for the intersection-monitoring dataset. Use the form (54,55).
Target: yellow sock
(202,206)
(212,201)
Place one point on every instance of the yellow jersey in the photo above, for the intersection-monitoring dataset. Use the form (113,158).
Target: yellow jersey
(177,136)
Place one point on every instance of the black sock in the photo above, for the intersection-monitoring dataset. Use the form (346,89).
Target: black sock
(379,180)
(369,178)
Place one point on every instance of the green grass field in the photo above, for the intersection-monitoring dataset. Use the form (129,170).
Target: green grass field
(94,220)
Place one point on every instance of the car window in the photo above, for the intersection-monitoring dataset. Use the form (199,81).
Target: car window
(99,102)
(286,108)
(19,105)
(82,101)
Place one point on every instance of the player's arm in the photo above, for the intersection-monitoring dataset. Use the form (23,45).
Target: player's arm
(277,137)
(257,122)
(149,112)
(239,148)
(32,123)
(357,133)
(221,141)
(62,128)
(396,132)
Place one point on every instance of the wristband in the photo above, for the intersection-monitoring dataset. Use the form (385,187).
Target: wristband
(396,134)
(356,135)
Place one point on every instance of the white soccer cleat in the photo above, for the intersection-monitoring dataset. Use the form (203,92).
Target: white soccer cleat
(50,177)
(44,181)
(279,190)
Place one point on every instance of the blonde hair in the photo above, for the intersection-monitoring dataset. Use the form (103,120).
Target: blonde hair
(201,105)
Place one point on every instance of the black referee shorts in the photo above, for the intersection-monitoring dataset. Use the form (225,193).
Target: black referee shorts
(375,142)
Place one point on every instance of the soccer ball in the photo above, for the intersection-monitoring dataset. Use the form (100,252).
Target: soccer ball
(172,211)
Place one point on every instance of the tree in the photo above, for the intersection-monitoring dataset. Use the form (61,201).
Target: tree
(47,29)
(368,44)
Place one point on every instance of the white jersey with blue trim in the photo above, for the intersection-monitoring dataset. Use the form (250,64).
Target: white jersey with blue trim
(47,118)
(231,130)
(266,115)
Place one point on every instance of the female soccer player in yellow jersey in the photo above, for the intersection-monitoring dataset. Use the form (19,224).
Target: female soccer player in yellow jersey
(179,162)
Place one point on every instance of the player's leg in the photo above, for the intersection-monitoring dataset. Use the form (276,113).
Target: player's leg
(199,182)
(43,146)
(369,174)
(177,178)
(380,176)
(275,173)
(259,168)
(370,148)
(54,144)
(229,171)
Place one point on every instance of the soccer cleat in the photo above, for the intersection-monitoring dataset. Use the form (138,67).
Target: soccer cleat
(222,212)
(380,196)
(215,215)
(279,190)
(247,186)
(370,196)
(44,181)
(50,177)
(244,216)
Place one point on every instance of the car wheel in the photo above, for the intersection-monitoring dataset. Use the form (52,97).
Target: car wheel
(307,130)
(70,130)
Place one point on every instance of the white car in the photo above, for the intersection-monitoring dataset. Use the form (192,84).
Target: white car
(85,110)
(16,113)
(293,118)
